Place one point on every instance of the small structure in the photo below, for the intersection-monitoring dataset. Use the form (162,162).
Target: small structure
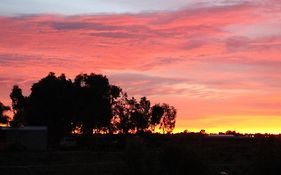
(221,135)
(28,138)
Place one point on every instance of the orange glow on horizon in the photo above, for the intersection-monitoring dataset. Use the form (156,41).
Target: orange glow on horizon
(241,124)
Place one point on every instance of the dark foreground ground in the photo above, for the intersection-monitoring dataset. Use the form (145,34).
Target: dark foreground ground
(174,154)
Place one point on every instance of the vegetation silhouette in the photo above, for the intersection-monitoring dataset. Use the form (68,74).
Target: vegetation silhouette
(88,103)
(94,97)
(3,118)
(18,104)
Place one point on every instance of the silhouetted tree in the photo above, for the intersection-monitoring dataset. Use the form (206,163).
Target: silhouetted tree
(125,114)
(51,104)
(131,115)
(157,112)
(169,118)
(19,103)
(89,102)
(137,117)
(121,114)
(229,132)
(202,132)
(94,98)
(4,118)
(140,115)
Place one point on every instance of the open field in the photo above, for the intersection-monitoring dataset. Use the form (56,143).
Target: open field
(151,155)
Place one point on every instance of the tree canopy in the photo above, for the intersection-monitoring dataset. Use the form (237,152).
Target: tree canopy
(18,103)
(90,103)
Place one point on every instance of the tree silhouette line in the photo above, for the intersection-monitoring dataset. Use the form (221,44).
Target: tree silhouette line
(89,104)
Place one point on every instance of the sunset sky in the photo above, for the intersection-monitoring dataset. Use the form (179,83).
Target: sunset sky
(218,62)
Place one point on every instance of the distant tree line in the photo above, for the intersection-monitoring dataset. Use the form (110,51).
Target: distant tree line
(89,104)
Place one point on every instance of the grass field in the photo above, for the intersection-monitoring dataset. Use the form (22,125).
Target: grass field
(151,155)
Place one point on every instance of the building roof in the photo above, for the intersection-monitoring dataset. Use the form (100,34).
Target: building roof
(26,128)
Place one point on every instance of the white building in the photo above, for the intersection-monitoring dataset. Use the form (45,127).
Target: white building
(29,138)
